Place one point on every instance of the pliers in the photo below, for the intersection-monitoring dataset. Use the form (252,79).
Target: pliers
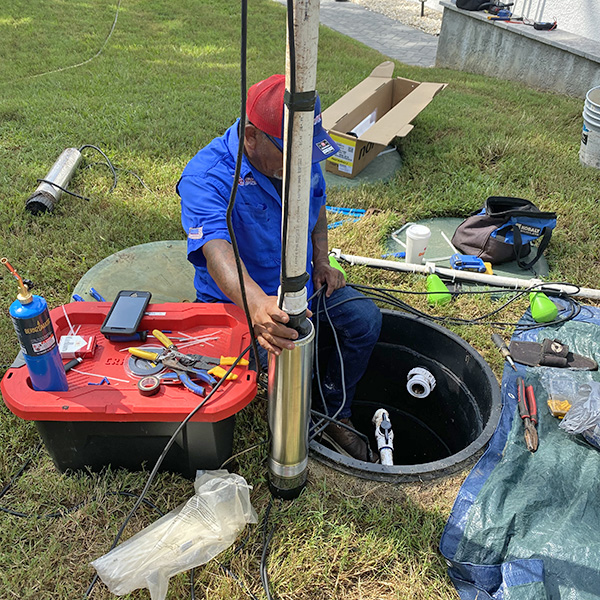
(182,373)
(181,364)
(528,413)
(215,366)
(211,364)
(201,367)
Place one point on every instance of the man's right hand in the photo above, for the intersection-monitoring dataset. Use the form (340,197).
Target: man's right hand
(268,319)
(269,324)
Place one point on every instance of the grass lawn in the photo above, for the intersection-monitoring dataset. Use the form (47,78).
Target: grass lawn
(166,83)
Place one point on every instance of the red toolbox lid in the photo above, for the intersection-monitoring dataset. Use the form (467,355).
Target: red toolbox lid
(213,330)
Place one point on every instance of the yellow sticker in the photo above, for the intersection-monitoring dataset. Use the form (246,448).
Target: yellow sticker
(345,156)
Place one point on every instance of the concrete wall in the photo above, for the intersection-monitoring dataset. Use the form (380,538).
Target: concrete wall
(556,61)
(574,16)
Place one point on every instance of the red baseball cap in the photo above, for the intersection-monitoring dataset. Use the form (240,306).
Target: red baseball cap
(264,109)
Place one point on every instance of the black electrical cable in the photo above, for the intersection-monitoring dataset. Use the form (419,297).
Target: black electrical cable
(127,171)
(334,420)
(62,189)
(266,540)
(162,457)
(318,294)
(110,165)
(65,512)
(192,591)
(253,447)
(19,472)
(319,427)
(384,295)
(288,149)
(238,167)
(575,309)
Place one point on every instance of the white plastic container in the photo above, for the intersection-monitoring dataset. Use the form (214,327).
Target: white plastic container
(417,238)
(589,152)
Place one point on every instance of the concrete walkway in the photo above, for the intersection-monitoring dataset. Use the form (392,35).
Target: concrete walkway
(388,36)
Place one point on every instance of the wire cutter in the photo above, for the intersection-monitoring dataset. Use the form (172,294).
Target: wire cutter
(182,365)
(215,366)
(528,413)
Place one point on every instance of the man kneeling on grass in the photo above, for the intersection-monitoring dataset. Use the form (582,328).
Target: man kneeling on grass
(205,188)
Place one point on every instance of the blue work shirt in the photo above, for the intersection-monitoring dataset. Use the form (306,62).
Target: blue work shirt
(205,187)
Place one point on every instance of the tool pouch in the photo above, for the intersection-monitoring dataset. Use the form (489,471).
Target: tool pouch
(550,353)
(504,230)
(488,5)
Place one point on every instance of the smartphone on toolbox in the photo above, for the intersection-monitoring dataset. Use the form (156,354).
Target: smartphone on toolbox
(125,313)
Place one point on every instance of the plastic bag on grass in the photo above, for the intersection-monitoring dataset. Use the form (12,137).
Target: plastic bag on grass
(189,536)
(584,415)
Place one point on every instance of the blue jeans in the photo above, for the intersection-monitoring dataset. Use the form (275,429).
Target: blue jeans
(357,323)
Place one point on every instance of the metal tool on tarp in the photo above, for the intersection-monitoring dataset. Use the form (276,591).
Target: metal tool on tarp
(528,413)
(501,344)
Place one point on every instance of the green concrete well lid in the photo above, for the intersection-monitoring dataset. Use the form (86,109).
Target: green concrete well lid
(158,267)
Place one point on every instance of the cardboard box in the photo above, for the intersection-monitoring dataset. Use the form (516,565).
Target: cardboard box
(366,119)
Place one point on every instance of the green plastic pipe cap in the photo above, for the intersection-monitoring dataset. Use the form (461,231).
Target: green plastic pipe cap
(336,265)
(543,310)
(438,292)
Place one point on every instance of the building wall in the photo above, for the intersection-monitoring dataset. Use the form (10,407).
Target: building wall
(581,17)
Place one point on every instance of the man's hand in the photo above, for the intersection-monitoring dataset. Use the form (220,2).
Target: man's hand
(325,274)
(269,324)
(267,318)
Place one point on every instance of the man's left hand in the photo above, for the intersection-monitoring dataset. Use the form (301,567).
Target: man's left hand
(325,274)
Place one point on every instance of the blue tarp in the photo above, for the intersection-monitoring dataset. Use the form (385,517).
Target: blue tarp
(526,525)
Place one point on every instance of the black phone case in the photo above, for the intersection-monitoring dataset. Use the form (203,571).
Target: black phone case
(132,323)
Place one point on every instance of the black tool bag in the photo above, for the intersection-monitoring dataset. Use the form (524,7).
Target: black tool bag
(480,5)
(504,230)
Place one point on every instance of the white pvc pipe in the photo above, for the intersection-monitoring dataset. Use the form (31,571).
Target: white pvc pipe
(299,169)
(290,399)
(457,275)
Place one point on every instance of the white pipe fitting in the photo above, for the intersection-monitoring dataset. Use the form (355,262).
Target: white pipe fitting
(420,382)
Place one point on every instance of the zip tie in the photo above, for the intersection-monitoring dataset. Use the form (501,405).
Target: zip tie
(103,376)
(449,242)
(197,342)
(71,331)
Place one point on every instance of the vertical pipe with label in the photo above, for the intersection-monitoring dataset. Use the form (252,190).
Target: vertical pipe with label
(290,372)
(33,326)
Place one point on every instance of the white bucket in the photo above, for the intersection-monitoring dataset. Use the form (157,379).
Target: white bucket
(589,152)
(417,237)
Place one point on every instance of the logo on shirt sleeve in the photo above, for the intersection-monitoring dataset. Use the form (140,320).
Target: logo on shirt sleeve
(195,233)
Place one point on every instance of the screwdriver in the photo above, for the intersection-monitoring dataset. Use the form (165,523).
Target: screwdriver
(503,349)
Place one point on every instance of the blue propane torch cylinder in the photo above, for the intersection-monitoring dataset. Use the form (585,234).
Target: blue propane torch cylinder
(33,326)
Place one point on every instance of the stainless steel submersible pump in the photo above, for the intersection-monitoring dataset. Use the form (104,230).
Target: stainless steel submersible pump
(290,373)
